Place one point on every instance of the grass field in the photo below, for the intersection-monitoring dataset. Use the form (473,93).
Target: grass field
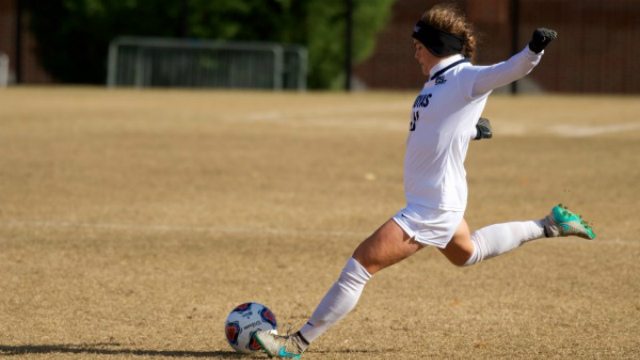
(132,222)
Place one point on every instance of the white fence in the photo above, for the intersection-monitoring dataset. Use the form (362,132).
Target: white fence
(160,62)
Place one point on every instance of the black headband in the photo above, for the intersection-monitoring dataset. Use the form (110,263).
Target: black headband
(439,42)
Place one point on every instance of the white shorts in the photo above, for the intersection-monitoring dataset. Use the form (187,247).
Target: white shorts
(427,226)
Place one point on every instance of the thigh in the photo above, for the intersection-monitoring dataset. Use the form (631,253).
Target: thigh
(460,248)
(385,247)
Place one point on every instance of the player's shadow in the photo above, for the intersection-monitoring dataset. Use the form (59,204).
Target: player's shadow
(103,349)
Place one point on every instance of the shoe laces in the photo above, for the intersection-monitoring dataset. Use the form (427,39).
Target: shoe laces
(584,223)
(288,332)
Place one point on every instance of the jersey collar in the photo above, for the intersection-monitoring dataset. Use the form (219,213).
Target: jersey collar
(446,64)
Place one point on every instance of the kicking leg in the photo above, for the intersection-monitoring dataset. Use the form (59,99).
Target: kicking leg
(470,248)
(467,248)
(460,248)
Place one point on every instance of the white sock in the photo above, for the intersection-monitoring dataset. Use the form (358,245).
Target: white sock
(498,239)
(338,302)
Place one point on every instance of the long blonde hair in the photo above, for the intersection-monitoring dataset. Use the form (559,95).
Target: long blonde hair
(447,17)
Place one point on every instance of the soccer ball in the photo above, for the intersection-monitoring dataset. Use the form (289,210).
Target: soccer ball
(244,321)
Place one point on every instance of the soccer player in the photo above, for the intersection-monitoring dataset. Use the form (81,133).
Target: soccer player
(451,100)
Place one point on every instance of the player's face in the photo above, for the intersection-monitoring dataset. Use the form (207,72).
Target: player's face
(424,57)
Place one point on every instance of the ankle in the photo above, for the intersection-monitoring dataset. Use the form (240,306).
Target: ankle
(550,227)
(300,341)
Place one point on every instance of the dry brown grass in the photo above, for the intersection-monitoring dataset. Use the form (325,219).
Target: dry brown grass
(132,222)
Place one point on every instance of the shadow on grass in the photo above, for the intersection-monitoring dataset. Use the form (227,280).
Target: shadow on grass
(100,349)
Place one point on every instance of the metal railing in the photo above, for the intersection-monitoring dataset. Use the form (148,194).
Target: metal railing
(162,62)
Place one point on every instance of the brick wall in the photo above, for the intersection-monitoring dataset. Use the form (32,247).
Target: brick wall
(7,32)
(31,71)
(595,52)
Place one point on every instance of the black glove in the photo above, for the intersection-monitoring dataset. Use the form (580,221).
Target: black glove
(541,38)
(484,129)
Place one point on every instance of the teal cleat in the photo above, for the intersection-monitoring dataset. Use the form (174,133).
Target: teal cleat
(280,346)
(562,222)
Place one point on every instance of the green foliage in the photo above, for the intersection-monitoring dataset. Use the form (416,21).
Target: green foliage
(73,35)
(326,28)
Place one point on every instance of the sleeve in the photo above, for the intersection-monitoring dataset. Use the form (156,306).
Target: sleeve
(482,80)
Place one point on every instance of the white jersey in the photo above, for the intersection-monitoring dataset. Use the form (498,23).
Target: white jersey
(443,116)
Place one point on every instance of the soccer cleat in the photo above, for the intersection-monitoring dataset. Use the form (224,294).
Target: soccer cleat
(562,222)
(290,346)
(484,129)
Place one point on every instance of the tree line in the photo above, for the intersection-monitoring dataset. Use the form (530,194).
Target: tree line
(73,35)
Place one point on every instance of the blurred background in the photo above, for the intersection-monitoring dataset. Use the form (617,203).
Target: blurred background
(303,44)
(132,221)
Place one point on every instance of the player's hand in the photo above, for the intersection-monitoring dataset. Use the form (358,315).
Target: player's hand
(541,38)
(484,129)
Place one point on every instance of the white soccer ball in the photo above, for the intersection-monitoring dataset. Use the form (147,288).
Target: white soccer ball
(244,321)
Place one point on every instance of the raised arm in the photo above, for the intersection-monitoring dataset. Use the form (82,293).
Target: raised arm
(519,65)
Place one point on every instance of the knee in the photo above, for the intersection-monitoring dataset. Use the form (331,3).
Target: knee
(475,256)
(461,262)
(365,255)
(458,256)
(462,257)
(367,262)
(354,273)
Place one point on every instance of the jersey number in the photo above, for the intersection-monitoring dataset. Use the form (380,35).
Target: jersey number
(416,116)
